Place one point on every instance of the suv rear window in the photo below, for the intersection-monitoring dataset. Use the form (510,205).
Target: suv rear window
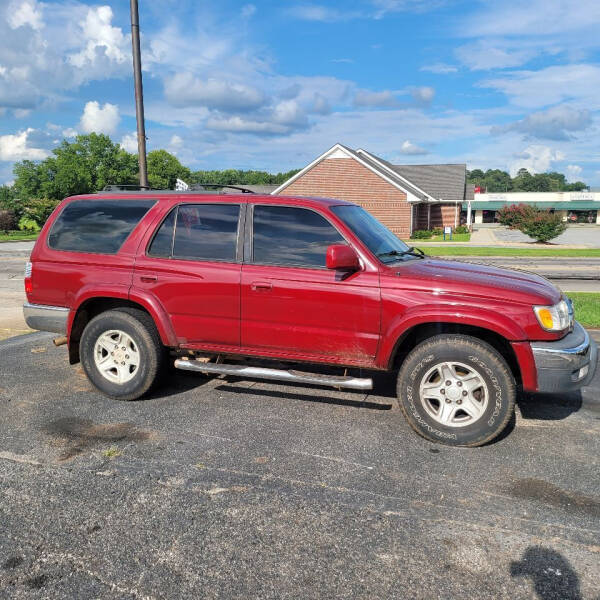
(96,226)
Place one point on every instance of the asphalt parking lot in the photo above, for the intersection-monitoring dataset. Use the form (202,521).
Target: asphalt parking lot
(226,488)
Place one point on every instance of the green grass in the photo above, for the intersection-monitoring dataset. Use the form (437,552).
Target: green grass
(17,236)
(112,452)
(587,307)
(503,251)
(456,237)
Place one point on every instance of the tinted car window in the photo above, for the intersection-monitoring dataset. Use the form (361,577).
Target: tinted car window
(286,235)
(97,226)
(162,244)
(206,231)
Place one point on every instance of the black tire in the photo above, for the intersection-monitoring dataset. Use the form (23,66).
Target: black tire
(140,327)
(494,399)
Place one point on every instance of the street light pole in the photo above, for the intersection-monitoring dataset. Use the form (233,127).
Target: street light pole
(139,92)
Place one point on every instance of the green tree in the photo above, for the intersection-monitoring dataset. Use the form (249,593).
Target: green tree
(86,165)
(164,169)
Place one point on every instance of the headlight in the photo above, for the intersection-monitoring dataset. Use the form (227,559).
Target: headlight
(553,318)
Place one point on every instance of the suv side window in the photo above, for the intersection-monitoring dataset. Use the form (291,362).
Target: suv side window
(96,226)
(285,235)
(198,232)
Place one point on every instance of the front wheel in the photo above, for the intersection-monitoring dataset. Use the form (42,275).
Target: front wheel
(457,390)
(121,353)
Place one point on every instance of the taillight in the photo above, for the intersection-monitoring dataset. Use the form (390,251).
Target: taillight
(28,280)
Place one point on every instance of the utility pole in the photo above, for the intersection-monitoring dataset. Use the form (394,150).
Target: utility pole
(139,92)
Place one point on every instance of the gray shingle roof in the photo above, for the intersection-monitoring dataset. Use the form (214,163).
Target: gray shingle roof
(385,173)
(445,182)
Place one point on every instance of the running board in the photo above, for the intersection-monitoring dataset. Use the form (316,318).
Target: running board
(351,383)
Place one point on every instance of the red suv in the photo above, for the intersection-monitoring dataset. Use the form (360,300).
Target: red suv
(134,278)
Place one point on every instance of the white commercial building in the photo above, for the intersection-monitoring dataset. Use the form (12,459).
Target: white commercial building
(575,207)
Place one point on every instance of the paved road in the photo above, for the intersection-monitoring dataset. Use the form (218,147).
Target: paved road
(225,488)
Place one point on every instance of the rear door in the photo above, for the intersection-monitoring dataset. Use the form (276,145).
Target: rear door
(192,265)
(292,304)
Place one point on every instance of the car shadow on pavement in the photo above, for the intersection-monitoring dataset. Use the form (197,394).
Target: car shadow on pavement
(549,407)
(551,574)
(314,394)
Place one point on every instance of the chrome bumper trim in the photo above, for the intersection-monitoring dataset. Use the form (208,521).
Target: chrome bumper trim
(46,318)
(567,364)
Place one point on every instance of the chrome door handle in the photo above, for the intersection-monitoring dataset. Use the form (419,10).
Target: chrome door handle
(261,286)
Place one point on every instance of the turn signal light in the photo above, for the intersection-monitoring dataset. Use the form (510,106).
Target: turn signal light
(553,318)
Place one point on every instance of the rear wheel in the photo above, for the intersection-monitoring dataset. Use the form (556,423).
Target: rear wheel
(456,390)
(121,353)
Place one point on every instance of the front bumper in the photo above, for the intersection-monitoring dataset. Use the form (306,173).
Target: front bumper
(567,364)
(46,318)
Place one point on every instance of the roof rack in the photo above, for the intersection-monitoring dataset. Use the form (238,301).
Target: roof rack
(195,187)
(125,187)
(201,185)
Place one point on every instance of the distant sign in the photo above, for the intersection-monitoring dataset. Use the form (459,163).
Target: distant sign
(582,196)
(447,229)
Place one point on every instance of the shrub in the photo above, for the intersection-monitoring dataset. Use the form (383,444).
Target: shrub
(437,231)
(461,229)
(7,220)
(28,224)
(544,226)
(39,209)
(422,234)
(515,214)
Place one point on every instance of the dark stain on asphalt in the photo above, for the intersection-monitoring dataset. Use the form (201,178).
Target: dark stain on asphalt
(13,562)
(78,435)
(552,495)
(37,582)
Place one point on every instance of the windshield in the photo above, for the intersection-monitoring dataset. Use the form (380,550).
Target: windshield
(376,236)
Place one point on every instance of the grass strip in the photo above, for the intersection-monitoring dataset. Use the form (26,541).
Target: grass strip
(502,251)
(587,307)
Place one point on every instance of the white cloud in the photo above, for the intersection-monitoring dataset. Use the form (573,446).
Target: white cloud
(16,147)
(248,10)
(556,123)
(320,105)
(573,172)
(318,12)
(384,98)
(21,113)
(183,89)
(493,54)
(440,68)
(129,142)
(532,18)
(423,94)
(69,132)
(412,149)
(536,159)
(102,39)
(27,12)
(99,119)
(576,83)
(241,125)
(175,144)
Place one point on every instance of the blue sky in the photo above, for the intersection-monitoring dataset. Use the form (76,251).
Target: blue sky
(271,85)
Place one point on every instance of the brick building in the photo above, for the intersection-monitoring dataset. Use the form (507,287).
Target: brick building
(403,197)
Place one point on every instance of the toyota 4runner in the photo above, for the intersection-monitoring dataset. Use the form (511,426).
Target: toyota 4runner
(134,278)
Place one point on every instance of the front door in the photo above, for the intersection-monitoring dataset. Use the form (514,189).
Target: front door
(192,267)
(292,305)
